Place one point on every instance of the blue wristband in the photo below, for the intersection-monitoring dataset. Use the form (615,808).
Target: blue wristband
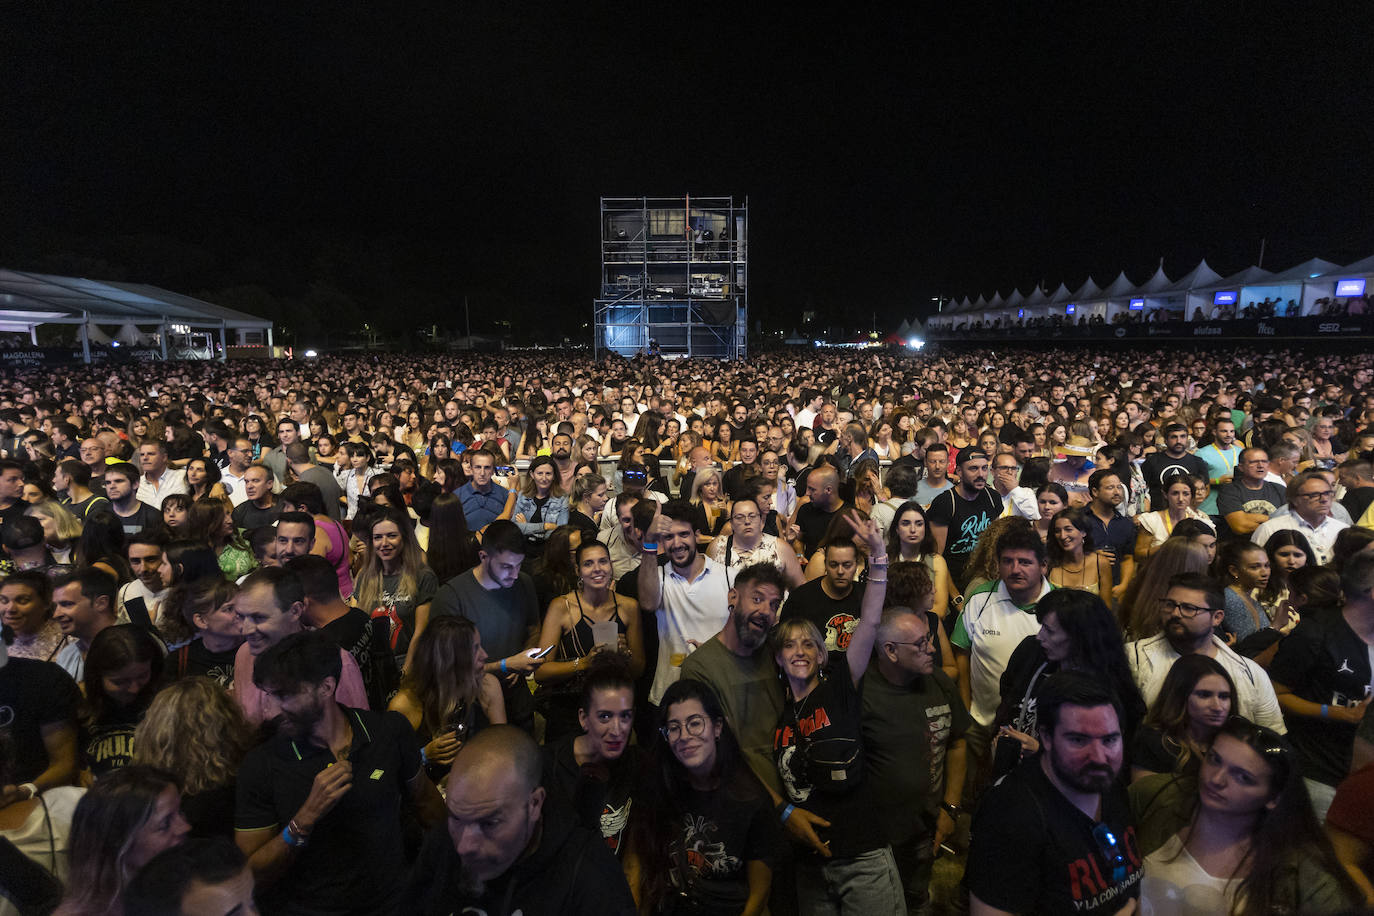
(290,839)
(1326,708)
(787,812)
(424,758)
(503,666)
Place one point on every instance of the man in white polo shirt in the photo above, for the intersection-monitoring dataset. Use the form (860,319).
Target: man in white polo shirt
(996,617)
(1191,610)
(690,596)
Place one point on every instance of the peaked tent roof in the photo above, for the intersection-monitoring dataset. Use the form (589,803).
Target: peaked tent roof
(41,298)
(1089,290)
(1121,287)
(1037,298)
(1062,294)
(1365,266)
(1312,267)
(1159,282)
(1244,278)
(1016,298)
(1198,276)
(904,328)
(996,301)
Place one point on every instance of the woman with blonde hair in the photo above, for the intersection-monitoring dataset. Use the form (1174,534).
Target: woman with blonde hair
(708,495)
(194,729)
(61,529)
(393,581)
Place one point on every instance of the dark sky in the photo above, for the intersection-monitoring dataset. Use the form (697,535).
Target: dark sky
(401,156)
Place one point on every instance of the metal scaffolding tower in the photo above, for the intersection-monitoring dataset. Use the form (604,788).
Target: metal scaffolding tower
(674,277)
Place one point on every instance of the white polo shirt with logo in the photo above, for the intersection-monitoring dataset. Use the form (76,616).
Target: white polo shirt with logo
(990,629)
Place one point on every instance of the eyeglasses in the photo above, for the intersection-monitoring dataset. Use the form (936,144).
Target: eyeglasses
(1005,467)
(923,643)
(1322,495)
(695,727)
(1169,605)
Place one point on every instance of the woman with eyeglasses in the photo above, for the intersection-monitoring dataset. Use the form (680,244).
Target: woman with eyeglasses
(705,839)
(1239,837)
(746,543)
(584,623)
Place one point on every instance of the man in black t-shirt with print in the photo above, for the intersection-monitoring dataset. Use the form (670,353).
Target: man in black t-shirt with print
(1173,460)
(832,601)
(960,515)
(1056,835)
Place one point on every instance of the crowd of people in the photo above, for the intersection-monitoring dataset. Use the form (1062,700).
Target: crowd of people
(534,634)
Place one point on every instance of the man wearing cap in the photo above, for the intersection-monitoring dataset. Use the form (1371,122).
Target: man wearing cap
(960,515)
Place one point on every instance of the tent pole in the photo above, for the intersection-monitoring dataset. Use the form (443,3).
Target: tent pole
(86,338)
(33,334)
(223,345)
(162,336)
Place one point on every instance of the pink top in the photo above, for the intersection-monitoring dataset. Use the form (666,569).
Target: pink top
(351,691)
(338,554)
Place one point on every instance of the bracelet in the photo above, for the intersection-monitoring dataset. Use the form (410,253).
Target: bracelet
(1326,708)
(872,581)
(31,788)
(291,838)
(878,561)
(649,545)
(787,812)
(503,667)
(951,810)
(296,829)
(424,758)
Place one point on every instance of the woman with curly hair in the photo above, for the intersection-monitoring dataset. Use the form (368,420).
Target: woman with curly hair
(204,479)
(193,728)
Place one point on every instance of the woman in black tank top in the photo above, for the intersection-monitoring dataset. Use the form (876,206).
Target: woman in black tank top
(571,623)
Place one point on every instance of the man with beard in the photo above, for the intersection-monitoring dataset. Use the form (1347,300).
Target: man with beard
(562,460)
(1172,460)
(959,516)
(305,823)
(689,597)
(506,848)
(1189,613)
(1056,835)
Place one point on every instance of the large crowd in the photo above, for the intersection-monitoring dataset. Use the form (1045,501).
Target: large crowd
(528,633)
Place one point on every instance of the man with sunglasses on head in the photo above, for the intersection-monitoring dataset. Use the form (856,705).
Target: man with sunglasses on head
(1056,835)
(1189,613)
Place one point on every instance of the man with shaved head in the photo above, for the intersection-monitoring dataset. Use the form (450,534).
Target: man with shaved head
(823,493)
(506,848)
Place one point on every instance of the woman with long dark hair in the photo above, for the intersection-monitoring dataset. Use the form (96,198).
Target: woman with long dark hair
(1240,838)
(394,581)
(1073,561)
(701,797)
(102,545)
(1077,633)
(204,479)
(452,545)
(124,819)
(579,622)
(910,540)
(211,523)
(446,694)
(123,671)
(1195,700)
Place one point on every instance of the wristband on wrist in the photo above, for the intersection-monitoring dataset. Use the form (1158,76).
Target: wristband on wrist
(872,581)
(951,810)
(292,837)
(30,788)
(503,667)
(424,758)
(649,545)
(787,812)
(1326,709)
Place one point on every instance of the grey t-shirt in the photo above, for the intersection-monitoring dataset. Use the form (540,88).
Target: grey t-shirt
(503,616)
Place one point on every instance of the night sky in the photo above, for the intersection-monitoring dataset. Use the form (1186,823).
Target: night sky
(386,160)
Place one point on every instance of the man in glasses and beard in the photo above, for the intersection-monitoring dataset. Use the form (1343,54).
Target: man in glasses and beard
(1056,835)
